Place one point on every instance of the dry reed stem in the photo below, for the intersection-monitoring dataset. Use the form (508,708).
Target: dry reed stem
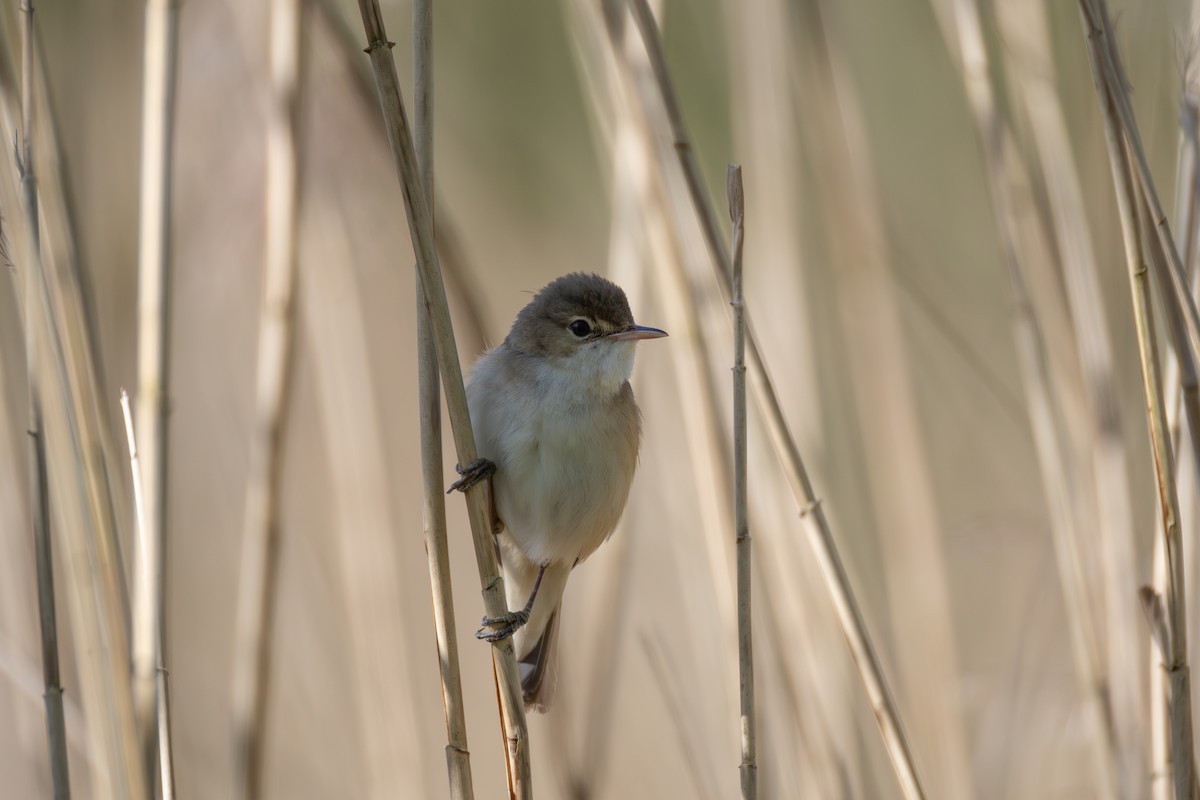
(1045,416)
(1028,32)
(58,256)
(260,543)
(819,533)
(1107,72)
(508,688)
(82,507)
(1121,152)
(897,469)
(458,755)
(749,766)
(149,580)
(39,504)
(638,159)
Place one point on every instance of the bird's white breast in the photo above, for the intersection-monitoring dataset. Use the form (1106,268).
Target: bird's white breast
(564,440)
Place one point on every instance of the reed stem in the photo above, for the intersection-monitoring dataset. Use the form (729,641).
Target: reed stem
(260,543)
(820,536)
(417,208)
(1122,153)
(150,687)
(749,766)
(458,756)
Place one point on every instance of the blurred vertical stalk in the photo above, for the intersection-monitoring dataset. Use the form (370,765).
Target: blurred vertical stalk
(73,463)
(260,543)
(420,223)
(819,533)
(638,157)
(150,685)
(458,756)
(1027,33)
(56,733)
(966,42)
(1109,78)
(749,766)
(39,505)
(464,291)
(1122,150)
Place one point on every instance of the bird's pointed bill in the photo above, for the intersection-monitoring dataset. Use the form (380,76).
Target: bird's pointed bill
(637,332)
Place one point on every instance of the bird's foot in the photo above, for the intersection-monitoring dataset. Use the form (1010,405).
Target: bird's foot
(498,628)
(478,470)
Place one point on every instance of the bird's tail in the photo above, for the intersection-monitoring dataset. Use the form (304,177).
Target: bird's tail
(536,642)
(539,668)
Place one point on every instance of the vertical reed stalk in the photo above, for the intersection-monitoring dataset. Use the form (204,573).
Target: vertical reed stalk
(1107,73)
(260,543)
(820,535)
(417,208)
(1045,415)
(56,734)
(749,765)
(66,431)
(150,685)
(458,756)
(1121,153)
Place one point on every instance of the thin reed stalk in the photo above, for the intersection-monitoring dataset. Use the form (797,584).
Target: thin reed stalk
(650,202)
(1107,73)
(749,766)
(56,734)
(1031,60)
(458,755)
(1122,153)
(1045,414)
(820,535)
(154,321)
(417,208)
(73,466)
(260,542)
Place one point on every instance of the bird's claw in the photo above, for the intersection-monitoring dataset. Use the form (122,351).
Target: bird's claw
(496,629)
(478,470)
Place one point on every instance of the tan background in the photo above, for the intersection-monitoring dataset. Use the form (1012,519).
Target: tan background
(525,177)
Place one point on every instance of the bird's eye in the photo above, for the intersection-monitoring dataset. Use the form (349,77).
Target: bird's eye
(580,328)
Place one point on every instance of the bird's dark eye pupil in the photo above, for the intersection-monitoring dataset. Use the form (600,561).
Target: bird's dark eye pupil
(580,327)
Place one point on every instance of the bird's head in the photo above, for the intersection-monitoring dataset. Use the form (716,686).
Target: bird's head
(581,324)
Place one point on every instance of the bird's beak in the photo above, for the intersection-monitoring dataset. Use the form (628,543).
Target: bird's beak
(636,332)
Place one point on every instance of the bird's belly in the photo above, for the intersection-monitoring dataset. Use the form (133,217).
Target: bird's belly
(560,494)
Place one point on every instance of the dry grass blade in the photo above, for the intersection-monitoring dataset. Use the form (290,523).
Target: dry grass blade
(149,584)
(1122,153)
(516,737)
(749,765)
(458,756)
(256,590)
(820,535)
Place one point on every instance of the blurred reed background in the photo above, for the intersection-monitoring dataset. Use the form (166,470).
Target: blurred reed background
(923,181)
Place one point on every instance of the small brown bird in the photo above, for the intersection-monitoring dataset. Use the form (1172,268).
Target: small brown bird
(558,430)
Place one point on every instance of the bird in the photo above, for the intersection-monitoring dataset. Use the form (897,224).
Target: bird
(558,431)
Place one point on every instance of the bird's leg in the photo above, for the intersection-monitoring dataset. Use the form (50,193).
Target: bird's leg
(472,474)
(496,628)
